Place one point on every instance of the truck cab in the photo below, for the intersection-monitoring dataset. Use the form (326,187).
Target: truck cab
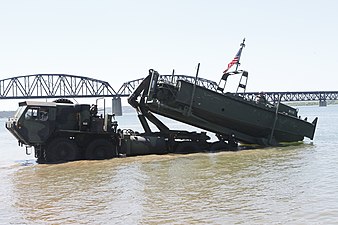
(33,122)
(63,131)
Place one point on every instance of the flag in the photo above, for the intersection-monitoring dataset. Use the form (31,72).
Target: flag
(234,61)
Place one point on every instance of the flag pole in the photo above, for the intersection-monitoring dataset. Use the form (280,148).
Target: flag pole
(239,58)
(233,62)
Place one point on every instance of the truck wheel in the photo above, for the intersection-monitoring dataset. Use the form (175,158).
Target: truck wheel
(61,150)
(100,149)
(187,147)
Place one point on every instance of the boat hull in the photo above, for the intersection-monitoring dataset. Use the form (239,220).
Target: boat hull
(229,114)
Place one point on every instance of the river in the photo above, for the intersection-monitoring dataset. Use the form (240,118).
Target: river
(296,184)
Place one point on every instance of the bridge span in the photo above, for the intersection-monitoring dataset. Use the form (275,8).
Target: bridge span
(54,86)
(321,96)
(72,86)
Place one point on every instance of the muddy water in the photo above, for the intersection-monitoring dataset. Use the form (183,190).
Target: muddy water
(297,184)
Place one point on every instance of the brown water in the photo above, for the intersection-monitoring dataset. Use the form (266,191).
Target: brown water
(296,184)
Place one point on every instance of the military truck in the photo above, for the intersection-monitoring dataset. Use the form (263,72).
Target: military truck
(62,131)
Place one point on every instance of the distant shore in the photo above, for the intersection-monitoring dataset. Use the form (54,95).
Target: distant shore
(6,114)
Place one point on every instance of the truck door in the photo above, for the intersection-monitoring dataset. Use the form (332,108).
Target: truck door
(38,123)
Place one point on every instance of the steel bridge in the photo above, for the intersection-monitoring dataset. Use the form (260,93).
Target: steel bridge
(53,86)
(321,96)
(72,86)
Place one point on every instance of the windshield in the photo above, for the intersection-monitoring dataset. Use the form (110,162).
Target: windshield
(37,113)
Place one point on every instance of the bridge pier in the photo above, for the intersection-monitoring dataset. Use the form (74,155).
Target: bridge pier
(322,103)
(117,106)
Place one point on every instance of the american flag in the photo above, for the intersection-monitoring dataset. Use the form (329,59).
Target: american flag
(234,61)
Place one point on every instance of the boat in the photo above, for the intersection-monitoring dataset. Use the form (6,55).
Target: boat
(231,116)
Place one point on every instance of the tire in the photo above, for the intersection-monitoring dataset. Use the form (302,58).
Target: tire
(40,155)
(187,147)
(100,149)
(61,150)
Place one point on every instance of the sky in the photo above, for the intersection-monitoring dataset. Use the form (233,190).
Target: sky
(290,44)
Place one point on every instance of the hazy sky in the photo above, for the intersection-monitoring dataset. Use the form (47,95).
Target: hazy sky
(290,44)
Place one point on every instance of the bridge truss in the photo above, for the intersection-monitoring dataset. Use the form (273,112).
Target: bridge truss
(295,96)
(53,86)
(71,86)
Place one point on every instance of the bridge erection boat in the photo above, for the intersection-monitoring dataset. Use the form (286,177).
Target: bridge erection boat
(231,116)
